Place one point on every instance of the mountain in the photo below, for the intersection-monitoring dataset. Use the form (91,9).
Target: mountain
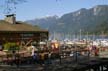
(87,20)
(45,22)
(103,28)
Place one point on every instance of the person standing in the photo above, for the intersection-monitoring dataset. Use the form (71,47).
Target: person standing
(42,58)
(35,58)
(32,51)
(49,58)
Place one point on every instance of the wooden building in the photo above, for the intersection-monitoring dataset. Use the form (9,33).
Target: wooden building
(21,32)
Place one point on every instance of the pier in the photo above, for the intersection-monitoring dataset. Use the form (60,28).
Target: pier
(66,64)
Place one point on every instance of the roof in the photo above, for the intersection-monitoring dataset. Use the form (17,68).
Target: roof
(19,26)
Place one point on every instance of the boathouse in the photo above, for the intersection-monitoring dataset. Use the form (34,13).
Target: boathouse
(20,32)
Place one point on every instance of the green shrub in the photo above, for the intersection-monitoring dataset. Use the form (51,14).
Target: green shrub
(11,46)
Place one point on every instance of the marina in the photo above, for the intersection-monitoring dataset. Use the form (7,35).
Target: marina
(76,57)
(53,40)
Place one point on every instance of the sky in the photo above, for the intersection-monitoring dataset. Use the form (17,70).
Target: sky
(33,9)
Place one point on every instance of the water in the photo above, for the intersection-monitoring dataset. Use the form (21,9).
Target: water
(71,37)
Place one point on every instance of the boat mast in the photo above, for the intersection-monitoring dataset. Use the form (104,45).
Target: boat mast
(80,34)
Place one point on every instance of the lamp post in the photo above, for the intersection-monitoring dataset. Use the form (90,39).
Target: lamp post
(75,52)
(18,57)
(76,57)
(59,53)
(13,52)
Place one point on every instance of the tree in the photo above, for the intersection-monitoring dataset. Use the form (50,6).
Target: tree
(9,6)
(11,46)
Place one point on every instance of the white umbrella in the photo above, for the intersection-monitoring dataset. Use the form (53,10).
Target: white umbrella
(42,43)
